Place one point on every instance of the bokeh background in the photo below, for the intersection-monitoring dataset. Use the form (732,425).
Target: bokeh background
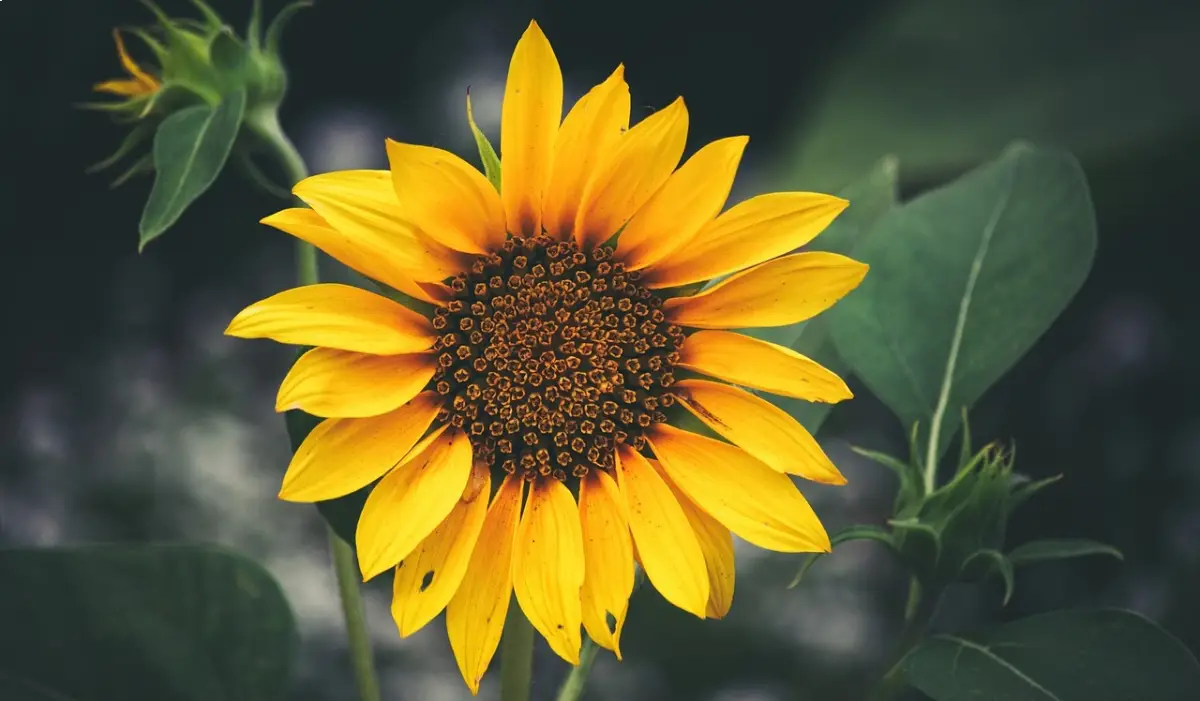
(125,415)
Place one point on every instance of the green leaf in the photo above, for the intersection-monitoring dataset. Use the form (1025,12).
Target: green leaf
(871,196)
(1059,549)
(965,455)
(164,622)
(487,154)
(963,281)
(211,19)
(254,26)
(921,81)
(1101,655)
(1022,492)
(132,140)
(909,475)
(857,532)
(228,53)
(988,561)
(190,149)
(142,166)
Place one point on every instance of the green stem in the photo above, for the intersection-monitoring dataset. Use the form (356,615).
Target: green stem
(266,125)
(915,627)
(356,620)
(576,681)
(516,656)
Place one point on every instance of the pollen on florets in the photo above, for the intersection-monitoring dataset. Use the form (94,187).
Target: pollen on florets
(549,357)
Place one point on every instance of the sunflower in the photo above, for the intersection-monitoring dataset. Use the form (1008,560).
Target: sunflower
(519,435)
(138,84)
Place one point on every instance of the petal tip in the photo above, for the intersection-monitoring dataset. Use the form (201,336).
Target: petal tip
(283,405)
(233,328)
(288,493)
(534,30)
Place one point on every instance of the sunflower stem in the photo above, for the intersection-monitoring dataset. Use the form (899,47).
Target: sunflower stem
(917,619)
(573,686)
(516,656)
(266,125)
(356,621)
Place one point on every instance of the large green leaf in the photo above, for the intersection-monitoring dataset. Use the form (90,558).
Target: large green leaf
(169,623)
(945,83)
(190,149)
(1104,655)
(870,197)
(963,281)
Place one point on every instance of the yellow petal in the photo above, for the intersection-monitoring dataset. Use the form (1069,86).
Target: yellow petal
(752,500)
(639,165)
(122,87)
(335,316)
(427,579)
(446,197)
(411,501)
(588,133)
(362,205)
(548,567)
(716,542)
(758,229)
(608,556)
(777,293)
(475,616)
(148,82)
(340,456)
(370,255)
(759,428)
(336,383)
(750,362)
(692,196)
(529,117)
(665,540)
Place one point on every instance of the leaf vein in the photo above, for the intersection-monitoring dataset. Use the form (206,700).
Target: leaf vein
(986,651)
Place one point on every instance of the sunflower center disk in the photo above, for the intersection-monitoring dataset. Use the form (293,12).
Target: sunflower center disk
(550,357)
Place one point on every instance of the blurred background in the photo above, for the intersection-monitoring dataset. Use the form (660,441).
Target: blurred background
(126,416)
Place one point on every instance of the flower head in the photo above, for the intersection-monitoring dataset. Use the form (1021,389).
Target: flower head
(523,434)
